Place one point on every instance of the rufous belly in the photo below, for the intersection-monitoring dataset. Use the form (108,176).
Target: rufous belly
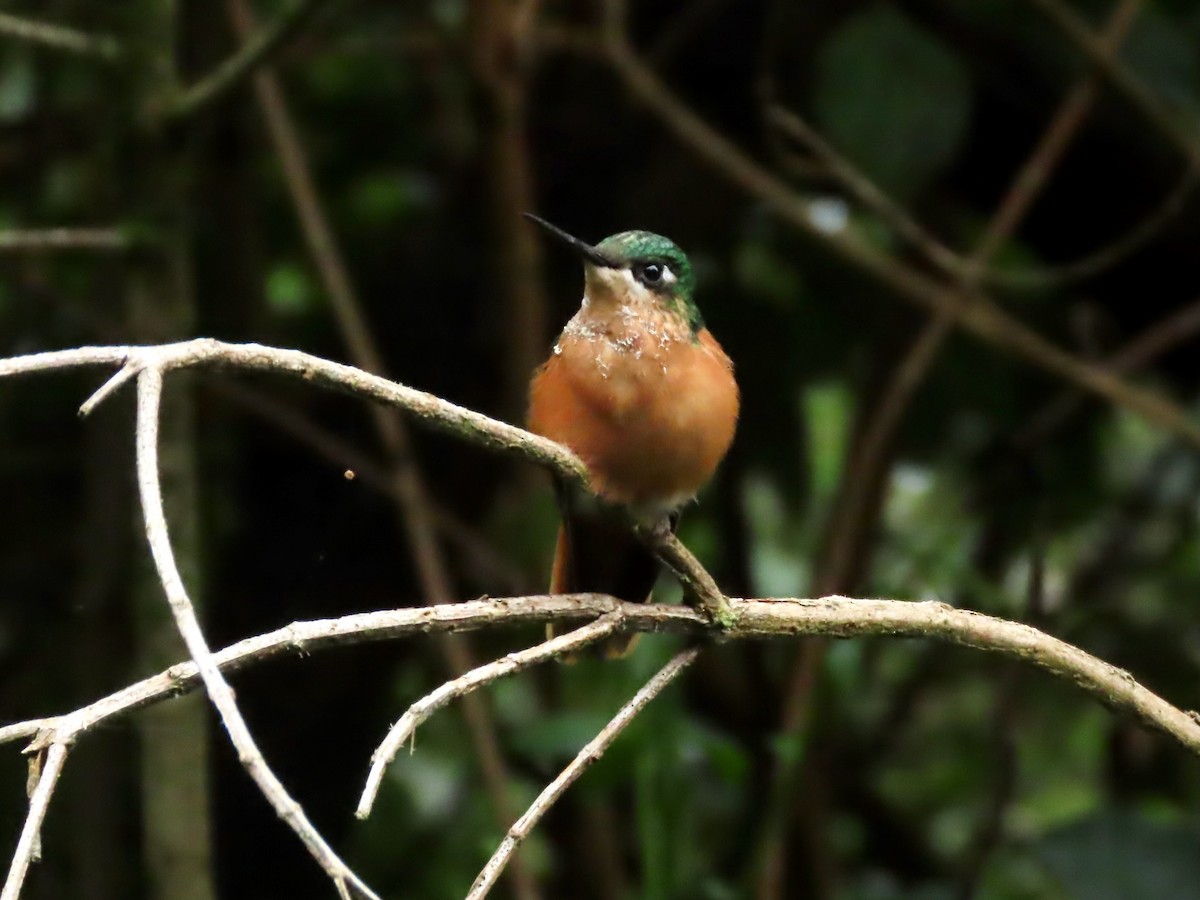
(651,426)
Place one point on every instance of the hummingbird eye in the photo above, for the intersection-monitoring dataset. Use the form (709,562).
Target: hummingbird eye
(650,274)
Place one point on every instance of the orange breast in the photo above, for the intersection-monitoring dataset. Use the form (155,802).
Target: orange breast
(651,427)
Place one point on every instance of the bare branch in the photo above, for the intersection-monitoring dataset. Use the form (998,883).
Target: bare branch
(302,637)
(42,240)
(834,616)
(235,70)
(150,383)
(863,189)
(1167,121)
(106,390)
(1101,259)
(413,501)
(407,726)
(1027,185)
(694,577)
(59,37)
(426,408)
(589,754)
(39,802)
(831,616)
(1157,339)
(858,493)
(954,264)
(429,409)
(980,316)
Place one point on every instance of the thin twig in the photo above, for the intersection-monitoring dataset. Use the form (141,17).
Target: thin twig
(1168,333)
(43,240)
(864,477)
(406,727)
(841,617)
(150,382)
(414,504)
(1028,184)
(1109,255)
(846,534)
(834,617)
(1136,91)
(426,408)
(59,37)
(303,637)
(568,776)
(253,53)
(980,317)
(1025,277)
(696,580)
(39,803)
(863,189)
(106,390)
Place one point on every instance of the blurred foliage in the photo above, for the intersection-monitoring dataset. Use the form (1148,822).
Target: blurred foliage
(895,100)
(907,749)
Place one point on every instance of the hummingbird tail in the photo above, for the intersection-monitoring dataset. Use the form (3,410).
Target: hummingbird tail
(619,646)
(603,558)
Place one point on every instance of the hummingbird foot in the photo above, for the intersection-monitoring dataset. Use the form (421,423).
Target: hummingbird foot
(662,527)
(657,532)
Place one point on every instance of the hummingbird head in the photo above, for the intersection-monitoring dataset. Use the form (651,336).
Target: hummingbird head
(635,265)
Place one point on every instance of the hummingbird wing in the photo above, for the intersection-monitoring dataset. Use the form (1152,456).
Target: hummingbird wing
(597,553)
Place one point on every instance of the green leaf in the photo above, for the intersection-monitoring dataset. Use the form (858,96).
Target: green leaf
(876,886)
(18,86)
(892,98)
(654,824)
(1124,856)
(765,275)
(828,412)
(384,198)
(557,738)
(290,292)
(778,570)
(730,763)
(1165,57)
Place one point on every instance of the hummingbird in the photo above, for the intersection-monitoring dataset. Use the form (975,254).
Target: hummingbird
(641,391)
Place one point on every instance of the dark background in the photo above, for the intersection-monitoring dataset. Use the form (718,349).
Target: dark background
(860,769)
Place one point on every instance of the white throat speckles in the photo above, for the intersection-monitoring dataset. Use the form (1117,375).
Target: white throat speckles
(621,319)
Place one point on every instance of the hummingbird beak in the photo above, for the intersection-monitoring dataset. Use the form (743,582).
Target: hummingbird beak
(587,251)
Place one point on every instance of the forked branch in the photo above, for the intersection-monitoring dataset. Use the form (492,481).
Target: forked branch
(724,617)
(150,381)
(589,754)
(406,728)
(980,316)
(238,67)
(841,617)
